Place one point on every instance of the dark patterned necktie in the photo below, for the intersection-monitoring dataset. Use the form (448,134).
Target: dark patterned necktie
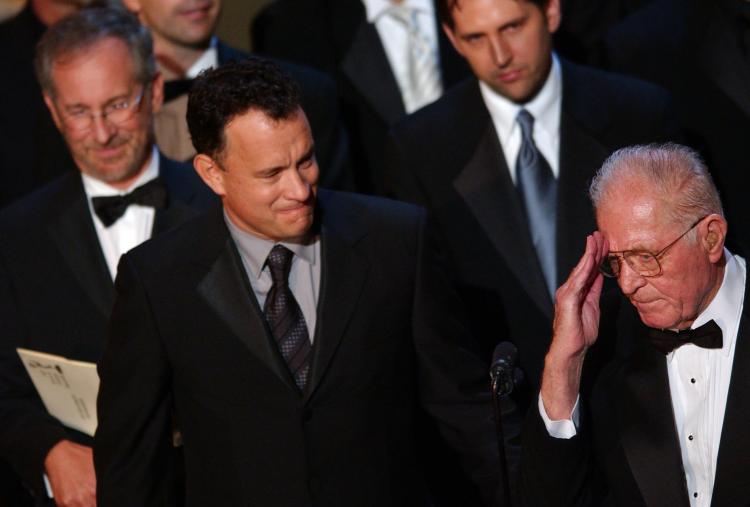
(110,208)
(285,317)
(538,190)
(707,336)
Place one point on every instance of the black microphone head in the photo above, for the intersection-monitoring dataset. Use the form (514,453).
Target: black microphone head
(505,352)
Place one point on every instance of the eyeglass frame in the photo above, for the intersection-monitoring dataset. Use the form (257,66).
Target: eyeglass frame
(131,105)
(620,254)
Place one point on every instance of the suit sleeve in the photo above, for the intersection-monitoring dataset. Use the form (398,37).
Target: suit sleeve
(27,431)
(453,381)
(133,456)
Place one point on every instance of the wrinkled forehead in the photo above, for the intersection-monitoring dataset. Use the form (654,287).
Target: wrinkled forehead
(633,220)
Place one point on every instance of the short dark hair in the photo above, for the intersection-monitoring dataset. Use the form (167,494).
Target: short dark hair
(219,95)
(445,9)
(88,27)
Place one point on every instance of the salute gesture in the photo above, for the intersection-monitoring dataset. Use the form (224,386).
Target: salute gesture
(575,328)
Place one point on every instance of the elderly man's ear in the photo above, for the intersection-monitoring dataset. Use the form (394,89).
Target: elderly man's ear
(714,237)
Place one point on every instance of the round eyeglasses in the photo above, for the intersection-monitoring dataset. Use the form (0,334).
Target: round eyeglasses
(643,262)
(117,112)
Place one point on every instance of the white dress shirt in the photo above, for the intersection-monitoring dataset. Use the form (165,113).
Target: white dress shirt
(208,60)
(545,107)
(394,37)
(135,225)
(698,385)
(304,275)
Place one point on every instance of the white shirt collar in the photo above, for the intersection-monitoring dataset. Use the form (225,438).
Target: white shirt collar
(95,187)
(726,307)
(208,60)
(376,8)
(544,107)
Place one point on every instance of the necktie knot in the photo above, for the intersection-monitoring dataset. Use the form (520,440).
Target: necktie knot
(526,122)
(707,336)
(110,208)
(279,262)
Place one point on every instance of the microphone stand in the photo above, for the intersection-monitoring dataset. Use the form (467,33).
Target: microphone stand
(497,393)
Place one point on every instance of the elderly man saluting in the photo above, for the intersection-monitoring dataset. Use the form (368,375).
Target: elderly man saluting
(665,421)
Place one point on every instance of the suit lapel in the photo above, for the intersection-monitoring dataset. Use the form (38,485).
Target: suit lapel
(344,272)
(366,65)
(581,154)
(486,187)
(649,437)
(75,237)
(226,290)
(731,484)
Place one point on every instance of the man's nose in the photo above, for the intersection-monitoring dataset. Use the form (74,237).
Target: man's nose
(298,189)
(501,53)
(629,279)
(102,128)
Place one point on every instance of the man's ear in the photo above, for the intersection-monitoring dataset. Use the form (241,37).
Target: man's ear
(210,172)
(452,37)
(52,111)
(553,15)
(133,6)
(157,92)
(715,236)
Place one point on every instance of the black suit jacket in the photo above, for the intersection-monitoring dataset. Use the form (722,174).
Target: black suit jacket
(32,151)
(334,36)
(448,158)
(56,293)
(388,331)
(319,101)
(695,49)
(627,451)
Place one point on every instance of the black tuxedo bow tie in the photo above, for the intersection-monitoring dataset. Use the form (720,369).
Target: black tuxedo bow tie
(176,88)
(707,336)
(110,208)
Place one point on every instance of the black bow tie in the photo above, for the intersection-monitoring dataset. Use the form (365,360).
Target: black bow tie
(176,88)
(110,208)
(707,336)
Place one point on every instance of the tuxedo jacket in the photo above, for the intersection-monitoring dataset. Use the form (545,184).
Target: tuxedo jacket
(694,48)
(56,293)
(627,450)
(334,36)
(388,333)
(32,151)
(319,101)
(448,158)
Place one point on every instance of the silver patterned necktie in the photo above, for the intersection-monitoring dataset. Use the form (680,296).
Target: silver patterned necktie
(285,318)
(538,190)
(425,85)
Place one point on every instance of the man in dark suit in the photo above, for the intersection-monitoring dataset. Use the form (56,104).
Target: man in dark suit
(666,422)
(185,44)
(291,334)
(343,38)
(698,50)
(473,163)
(59,246)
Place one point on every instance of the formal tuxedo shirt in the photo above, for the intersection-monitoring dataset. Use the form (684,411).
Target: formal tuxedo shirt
(304,276)
(698,385)
(208,60)
(394,37)
(133,227)
(545,107)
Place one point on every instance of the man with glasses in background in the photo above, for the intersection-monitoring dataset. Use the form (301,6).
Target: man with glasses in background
(666,420)
(60,246)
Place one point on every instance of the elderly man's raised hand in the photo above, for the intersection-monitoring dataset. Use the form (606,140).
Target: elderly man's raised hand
(575,329)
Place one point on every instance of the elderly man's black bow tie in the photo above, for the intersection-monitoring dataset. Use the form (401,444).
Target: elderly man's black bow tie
(707,336)
(110,208)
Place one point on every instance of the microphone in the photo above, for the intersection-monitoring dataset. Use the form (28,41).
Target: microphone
(503,371)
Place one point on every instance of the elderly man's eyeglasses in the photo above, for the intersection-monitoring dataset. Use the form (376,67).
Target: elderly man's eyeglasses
(81,118)
(641,261)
